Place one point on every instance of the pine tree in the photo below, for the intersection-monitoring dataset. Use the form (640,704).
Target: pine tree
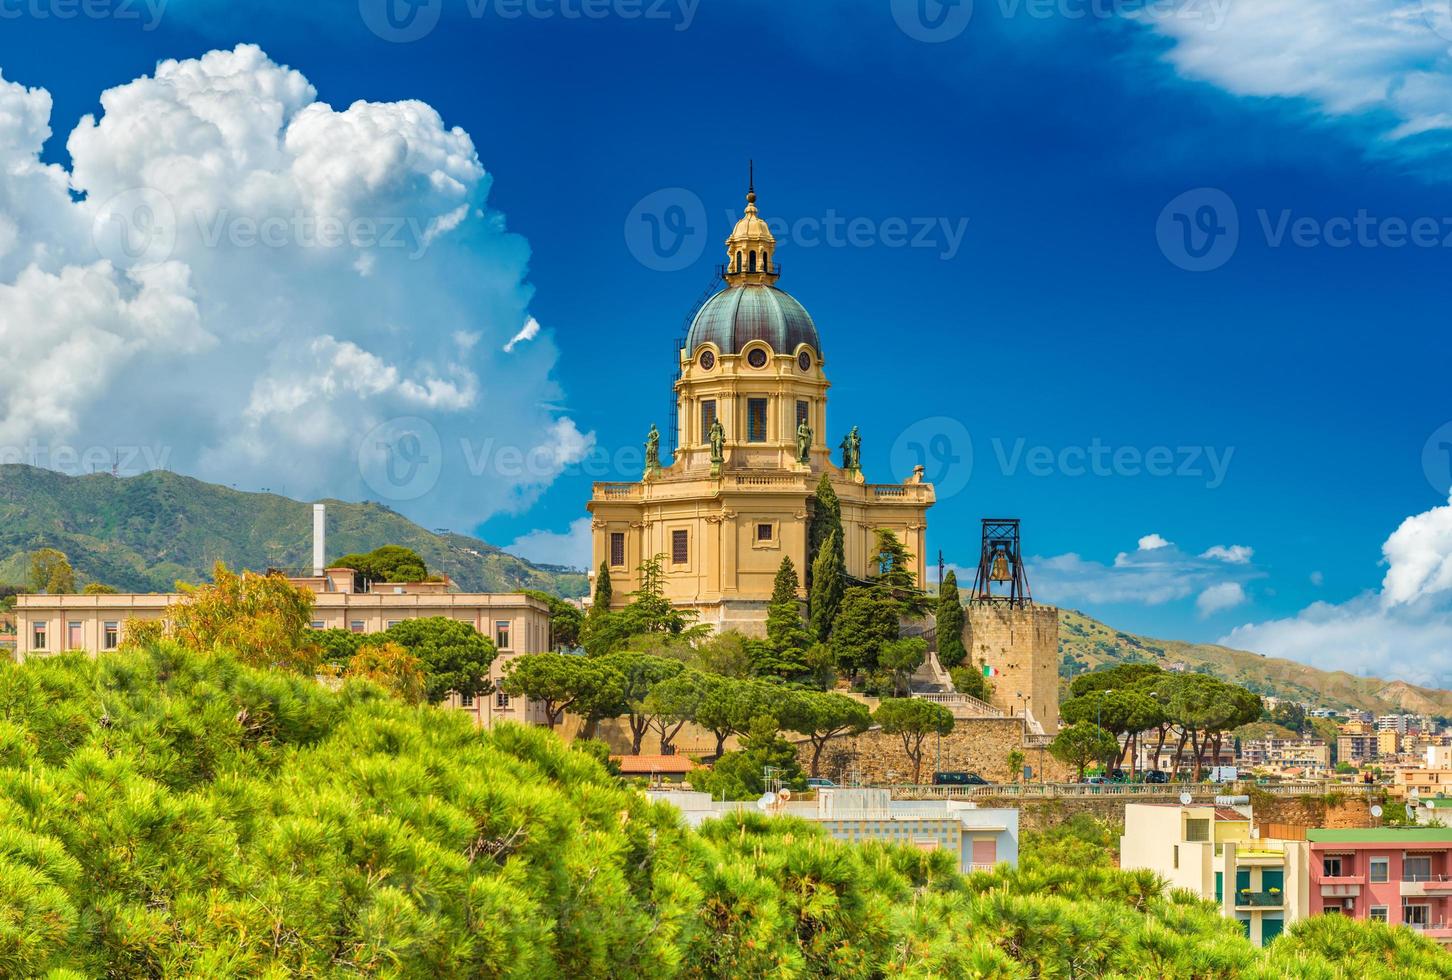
(951,652)
(829,584)
(784,627)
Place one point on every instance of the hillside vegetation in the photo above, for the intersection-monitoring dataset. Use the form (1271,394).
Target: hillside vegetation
(1086,644)
(165,813)
(144,533)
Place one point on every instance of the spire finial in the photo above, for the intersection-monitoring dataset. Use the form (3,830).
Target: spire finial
(750,181)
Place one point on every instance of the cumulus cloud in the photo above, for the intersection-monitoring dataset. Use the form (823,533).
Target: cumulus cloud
(572,549)
(256,280)
(1402,630)
(1235,554)
(1383,59)
(1155,573)
(1218,598)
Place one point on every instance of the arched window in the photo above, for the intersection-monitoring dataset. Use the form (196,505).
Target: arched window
(739,261)
(753,261)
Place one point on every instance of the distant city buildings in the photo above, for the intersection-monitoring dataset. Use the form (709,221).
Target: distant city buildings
(1311,756)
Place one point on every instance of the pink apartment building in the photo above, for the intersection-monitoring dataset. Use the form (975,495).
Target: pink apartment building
(1400,875)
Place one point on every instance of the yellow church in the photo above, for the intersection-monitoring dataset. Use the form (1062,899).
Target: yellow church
(751,404)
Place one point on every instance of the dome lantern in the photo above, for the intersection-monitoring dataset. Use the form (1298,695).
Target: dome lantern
(751,248)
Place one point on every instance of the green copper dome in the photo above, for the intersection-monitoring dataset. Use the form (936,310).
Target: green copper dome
(739,314)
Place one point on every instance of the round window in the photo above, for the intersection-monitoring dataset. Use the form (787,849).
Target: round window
(708,360)
(804,361)
(756,357)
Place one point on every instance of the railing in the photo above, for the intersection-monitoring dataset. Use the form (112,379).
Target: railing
(1201,792)
(1426,877)
(1259,900)
(962,705)
(749,480)
(618,491)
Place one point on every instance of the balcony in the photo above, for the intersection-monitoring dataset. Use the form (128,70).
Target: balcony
(1259,900)
(1433,885)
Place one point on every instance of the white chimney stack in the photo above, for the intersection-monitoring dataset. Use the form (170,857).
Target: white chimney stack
(320,540)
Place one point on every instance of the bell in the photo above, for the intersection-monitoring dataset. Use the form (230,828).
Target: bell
(1000,572)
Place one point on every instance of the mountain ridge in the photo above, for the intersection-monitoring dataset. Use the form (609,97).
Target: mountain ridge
(144,533)
(1085,644)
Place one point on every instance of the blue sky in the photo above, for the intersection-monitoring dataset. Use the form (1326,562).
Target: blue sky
(1051,166)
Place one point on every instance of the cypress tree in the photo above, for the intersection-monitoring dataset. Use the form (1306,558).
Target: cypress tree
(604,591)
(826,520)
(829,583)
(951,652)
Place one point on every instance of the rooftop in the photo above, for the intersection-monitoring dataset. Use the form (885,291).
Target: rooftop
(1382,835)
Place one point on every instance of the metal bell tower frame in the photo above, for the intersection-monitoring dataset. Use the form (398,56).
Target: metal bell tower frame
(1000,579)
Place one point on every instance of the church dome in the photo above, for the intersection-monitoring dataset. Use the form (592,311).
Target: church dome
(739,314)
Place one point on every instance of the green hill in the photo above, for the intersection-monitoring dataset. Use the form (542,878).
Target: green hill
(143,533)
(1086,644)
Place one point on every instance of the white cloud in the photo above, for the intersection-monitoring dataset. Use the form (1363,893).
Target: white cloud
(1235,554)
(1318,579)
(1218,598)
(1346,58)
(302,274)
(1157,572)
(528,332)
(571,549)
(1403,631)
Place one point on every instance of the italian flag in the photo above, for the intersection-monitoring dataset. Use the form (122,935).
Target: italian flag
(989,670)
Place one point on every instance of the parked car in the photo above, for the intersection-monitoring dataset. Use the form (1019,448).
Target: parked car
(958,779)
(1096,780)
(819,782)
(1157,776)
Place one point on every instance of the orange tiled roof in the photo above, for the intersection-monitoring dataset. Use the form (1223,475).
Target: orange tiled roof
(645,765)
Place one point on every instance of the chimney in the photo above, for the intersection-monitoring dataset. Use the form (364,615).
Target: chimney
(320,539)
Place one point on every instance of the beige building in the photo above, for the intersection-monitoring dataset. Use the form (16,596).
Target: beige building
(754,440)
(1020,646)
(518,624)
(1211,851)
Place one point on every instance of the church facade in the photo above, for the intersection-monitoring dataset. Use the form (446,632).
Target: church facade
(751,403)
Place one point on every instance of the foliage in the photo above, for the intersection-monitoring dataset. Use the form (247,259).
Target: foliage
(900,658)
(1083,743)
(50,572)
(648,612)
(640,673)
(1014,762)
(866,622)
(787,638)
(949,621)
(264,619)
(826,520)
(169,813)
(823,716)
(913,720)
(562,682)
(99,588)
(392,668)
(727,653)
(455,656)
(390,563)
(143,632)
(740,775)
(970,681)
(895,575)
(828,585)
(604,590)
(566,620)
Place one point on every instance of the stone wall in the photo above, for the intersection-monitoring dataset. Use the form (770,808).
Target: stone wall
(978,745)
(1331,812)
(1022,645)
